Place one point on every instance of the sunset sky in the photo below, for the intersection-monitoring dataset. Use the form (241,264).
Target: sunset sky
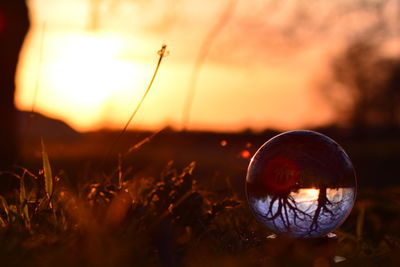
(263,67)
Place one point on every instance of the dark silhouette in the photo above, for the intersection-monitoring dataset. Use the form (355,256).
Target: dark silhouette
(14,24)
(365,87)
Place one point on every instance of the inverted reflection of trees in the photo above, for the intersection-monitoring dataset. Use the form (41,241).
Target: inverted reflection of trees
(304,216)
(284,209)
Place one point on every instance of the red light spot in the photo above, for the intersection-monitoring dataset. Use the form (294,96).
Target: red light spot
(224,143)
(245,154)
(280,174)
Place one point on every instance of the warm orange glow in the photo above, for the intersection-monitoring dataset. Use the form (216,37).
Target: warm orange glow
(223,143)
(84,75)
(306,195)
(88,70)
(245,154)
(94,71)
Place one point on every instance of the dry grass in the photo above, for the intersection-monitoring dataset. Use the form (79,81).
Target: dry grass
(131,220)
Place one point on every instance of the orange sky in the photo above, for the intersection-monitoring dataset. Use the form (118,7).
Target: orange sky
(261,71)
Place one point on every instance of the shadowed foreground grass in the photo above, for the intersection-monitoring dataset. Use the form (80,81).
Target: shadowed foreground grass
(171,220)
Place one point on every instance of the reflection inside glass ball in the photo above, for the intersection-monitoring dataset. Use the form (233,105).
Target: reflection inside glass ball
(301,184)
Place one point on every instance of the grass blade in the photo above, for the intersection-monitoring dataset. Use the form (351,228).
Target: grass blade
(22,191)
(48,178)
(2,222)
(5,207)
(162,53)
(24,202)
(200,59)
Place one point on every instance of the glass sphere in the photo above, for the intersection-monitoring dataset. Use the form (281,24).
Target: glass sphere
(301,184)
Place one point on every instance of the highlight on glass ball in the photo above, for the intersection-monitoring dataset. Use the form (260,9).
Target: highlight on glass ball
(301,184)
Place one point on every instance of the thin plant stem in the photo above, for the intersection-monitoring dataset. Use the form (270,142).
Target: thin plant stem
(39,71)
(200,59)
(162,53)
(38,78)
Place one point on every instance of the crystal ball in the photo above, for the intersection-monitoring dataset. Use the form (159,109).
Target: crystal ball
(301,184)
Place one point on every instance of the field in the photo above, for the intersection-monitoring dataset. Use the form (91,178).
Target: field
(177,199)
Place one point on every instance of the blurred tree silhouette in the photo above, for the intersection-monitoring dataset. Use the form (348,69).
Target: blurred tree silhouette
(364,80)
(14,24)
(365,86)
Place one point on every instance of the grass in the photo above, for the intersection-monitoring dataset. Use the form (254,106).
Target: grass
(108,223)
(128,220)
